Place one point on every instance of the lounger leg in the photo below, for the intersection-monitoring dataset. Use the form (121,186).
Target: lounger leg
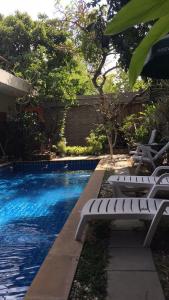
(80,228)
(116,191)
(153,164)
(138,168)
(154,223)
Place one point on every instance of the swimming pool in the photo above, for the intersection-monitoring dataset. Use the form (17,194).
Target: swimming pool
(34,205)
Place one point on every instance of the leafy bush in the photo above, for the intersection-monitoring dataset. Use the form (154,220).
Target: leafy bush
(77,150)
(96,141)
(137,127)
(61,147)
(162,118)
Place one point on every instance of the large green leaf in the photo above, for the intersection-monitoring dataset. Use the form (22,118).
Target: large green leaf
(159,29)
(135,12)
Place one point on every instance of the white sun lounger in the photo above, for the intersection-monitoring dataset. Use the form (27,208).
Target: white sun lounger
(138,151)
(119,182)
(124,208)
(149,156)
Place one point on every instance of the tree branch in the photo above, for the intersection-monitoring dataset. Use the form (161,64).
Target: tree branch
(137,96)
(104,75)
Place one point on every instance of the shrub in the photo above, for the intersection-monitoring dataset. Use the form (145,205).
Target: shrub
(77,150)
(96,141)
(61,147)
(137,127)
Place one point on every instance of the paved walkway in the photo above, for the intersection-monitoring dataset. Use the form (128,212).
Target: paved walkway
(131,271)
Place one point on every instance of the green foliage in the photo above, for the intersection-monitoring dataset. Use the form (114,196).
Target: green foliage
(32,132)
(125,42)
(161,116)
(81,78)
(137,127)
(77,150)
(43,53)
(96,141)
(61,147)
(119,82)
(136,12)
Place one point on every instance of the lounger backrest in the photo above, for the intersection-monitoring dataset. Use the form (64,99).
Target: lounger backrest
(152,137)
(161,152)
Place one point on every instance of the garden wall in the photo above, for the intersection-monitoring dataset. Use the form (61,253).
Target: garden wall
(83,117)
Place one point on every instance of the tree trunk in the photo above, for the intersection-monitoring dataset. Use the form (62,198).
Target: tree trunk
(109,138)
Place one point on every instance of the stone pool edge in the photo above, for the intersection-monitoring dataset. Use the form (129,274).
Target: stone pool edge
(55,277)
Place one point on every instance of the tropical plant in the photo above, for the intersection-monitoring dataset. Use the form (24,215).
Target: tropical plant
(96,141)
(136,12)
(137,127)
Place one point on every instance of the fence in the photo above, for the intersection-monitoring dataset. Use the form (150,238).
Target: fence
(83,116)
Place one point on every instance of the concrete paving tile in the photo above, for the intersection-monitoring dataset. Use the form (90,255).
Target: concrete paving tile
(138,259)
(127,225)
(126,238)
(134,286)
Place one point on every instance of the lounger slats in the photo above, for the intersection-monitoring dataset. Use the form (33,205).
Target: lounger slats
(96,206)
(135,205)
(103,206)
(143,205)
(121,206)
(112,205)
(136,180)
(128,205)
(89,204)
(114,208)
(153,206)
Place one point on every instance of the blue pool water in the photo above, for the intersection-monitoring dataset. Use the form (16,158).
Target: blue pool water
(33,209)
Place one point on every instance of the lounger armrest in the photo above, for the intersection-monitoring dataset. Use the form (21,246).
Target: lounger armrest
(161,177)
(157,187)
(153,226)
(140,150)
(158,169)
(146,151)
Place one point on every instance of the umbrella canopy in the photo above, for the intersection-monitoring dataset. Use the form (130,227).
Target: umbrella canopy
(157,62)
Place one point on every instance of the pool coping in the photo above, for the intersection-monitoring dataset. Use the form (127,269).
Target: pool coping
(55,277)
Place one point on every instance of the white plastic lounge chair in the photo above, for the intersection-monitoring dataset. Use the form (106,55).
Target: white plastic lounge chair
(124,208)
(150,142)
(129,182)
(149,156)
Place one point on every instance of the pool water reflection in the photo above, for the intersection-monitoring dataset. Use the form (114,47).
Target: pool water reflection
(33,209)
